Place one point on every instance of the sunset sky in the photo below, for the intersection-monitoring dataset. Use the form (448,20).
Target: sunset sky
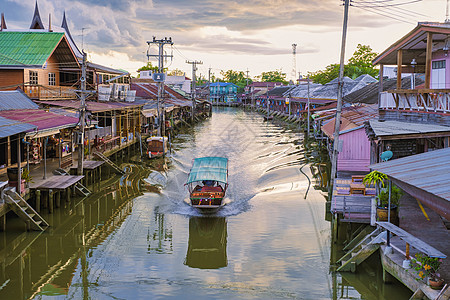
(256,34)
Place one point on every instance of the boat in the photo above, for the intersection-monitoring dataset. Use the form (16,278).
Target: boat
(157,146)
(207,183)
(268,118)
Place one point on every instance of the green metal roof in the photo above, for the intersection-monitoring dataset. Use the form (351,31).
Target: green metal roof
(27,48)
(209,168)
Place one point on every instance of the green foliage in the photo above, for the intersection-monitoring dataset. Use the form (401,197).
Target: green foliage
(237,77)
(426,266)
(375,177)
(396,194)
(148,67)
(26,176)
(360,63)
(201,81)
(273,76)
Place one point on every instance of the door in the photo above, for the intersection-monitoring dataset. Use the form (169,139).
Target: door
(438,74)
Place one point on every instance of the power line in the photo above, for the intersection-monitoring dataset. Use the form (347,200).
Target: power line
(399,11)
(383,5)
(384,15)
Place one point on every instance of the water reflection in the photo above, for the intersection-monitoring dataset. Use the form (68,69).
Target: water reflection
(36,264)
(207,248)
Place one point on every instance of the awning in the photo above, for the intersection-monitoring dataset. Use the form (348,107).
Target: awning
(424,176)
(209,168)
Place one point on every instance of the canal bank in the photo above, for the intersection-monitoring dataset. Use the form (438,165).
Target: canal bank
(268,242)
(353,207)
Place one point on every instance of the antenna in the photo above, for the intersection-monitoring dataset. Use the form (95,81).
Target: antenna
(294,61)
(82,37)
(447,19)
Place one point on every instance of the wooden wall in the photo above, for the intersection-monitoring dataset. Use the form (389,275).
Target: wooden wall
(10,77)
(355,154)
(51,67)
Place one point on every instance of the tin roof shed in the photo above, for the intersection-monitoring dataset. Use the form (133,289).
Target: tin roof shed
(424,176)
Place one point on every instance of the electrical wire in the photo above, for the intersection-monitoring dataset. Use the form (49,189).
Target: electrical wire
(352,2)
(384,15)
(407,13)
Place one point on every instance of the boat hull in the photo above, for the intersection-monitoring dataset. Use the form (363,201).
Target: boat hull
(207,205)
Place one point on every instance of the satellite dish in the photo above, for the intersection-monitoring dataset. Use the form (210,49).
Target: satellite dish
(386,155)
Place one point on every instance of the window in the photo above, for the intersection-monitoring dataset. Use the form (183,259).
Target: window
(438,64)
(51,79)
(33,77)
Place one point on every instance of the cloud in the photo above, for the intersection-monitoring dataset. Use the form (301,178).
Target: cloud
(235,27)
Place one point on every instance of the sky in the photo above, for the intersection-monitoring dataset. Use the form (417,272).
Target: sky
(253,35)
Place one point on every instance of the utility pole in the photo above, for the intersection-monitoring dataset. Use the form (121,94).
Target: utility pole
(82,116)
(209,84)
(309,114)
(339,99)
(267,96)
(161,43)
(194,64)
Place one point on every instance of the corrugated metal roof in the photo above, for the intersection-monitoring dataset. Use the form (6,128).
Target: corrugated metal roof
(10,100)
(91,105)
(369,93)
(392,127)
(427,171)
(27,48)
(11,127)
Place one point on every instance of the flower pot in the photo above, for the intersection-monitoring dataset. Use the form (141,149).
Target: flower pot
(435,284)
(12,183)
(12,174)
(382,214)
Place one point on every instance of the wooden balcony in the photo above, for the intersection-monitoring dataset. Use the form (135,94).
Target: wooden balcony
(422,100)
(46,92)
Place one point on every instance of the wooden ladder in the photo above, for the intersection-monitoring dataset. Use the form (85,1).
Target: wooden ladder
(365,248)
(81,189)
(25,211)
(109,162)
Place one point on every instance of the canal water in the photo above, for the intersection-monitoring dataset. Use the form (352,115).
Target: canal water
(136,237)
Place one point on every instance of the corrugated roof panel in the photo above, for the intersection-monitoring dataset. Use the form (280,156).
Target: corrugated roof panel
(10,100)
(427,171)
(392,127)
(27,48)
(40,118)
(11,127)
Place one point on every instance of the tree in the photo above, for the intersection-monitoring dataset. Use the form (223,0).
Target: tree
(360,63)
(273,76)
(148,67)
(236,77)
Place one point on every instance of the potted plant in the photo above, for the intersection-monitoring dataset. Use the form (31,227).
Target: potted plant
(26,176)
(376,178)
(383,204)
(427,268)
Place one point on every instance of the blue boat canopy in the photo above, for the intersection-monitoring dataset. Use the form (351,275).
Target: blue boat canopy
(209,168)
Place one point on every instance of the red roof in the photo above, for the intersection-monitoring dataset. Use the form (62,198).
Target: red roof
(91,105)
(40,118)
(150,91)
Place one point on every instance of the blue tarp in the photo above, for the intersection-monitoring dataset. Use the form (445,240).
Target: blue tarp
(209,168)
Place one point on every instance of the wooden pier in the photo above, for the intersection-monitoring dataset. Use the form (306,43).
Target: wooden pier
(53,187)
(353,202)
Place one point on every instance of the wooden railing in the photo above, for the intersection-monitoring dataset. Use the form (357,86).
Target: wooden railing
(45,92)
(425,100)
